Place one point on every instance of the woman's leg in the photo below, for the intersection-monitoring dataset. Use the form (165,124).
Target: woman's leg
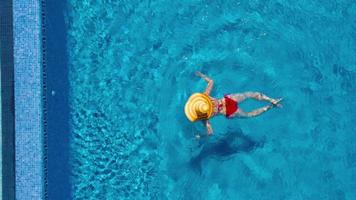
(255,95)
(254,113)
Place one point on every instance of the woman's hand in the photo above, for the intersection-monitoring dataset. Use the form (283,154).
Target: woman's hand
(198,73)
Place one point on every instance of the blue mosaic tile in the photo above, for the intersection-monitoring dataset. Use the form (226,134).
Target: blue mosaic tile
(28,105)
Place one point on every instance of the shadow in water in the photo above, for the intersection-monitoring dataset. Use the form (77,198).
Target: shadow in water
(230,144)
(57,102)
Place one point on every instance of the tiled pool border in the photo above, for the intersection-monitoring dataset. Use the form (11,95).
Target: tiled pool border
(30,177)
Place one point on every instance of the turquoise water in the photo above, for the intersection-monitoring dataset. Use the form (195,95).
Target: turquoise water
(131,69)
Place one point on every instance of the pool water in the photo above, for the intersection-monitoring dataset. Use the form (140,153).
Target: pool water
(131,69)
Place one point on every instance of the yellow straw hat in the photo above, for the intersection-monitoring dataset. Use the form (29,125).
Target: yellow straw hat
(198,106)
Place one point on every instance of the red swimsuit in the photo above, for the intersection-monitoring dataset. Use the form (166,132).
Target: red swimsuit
(231,106)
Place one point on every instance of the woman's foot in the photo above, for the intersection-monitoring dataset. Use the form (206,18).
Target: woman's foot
(267,107)
(275,102)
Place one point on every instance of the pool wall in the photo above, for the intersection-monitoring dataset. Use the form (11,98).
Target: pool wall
(29,134)
(7,102)
(58,111)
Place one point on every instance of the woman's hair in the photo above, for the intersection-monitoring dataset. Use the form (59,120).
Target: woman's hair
(202,115)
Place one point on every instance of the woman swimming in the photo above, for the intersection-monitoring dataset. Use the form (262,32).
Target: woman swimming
(201,106)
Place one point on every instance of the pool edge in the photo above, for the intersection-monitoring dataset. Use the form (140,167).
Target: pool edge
(28,86)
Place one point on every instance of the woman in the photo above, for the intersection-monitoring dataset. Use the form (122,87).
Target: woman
(201,106)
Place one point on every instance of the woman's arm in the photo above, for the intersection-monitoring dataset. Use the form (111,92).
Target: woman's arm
(207,79)
(208,127)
